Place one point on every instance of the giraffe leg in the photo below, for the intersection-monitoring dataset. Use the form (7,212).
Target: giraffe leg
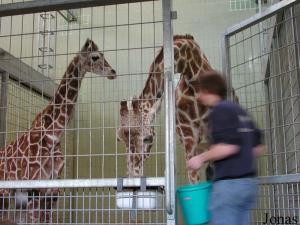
(33,211)
(5,203)
(43,201)
(50,203)
(49,196)
(4,193)
(41,205)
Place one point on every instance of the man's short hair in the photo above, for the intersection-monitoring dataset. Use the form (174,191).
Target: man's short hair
(211,82)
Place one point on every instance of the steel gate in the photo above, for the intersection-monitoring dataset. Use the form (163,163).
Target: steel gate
(38,39)
(261,61)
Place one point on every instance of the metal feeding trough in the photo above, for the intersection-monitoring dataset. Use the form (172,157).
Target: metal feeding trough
(137,200)
(132,198)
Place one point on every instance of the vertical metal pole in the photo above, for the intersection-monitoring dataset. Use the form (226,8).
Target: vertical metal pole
(296,79)
(269,128)
(259,6)
(170,112)
(295,28)
(226,64)
(3,108)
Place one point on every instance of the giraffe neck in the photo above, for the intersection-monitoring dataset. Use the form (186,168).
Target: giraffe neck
(189,61)
(57,114)
(154,85)
(67,92)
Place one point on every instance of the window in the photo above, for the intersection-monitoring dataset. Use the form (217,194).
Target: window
(238,5)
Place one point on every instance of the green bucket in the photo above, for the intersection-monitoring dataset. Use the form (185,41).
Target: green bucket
(194,202)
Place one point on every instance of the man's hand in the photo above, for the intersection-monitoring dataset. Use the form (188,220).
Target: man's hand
(216,152)
(195,163)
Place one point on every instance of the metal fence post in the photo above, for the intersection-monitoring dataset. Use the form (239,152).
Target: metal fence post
(3,107)
(226,64)
(170,111)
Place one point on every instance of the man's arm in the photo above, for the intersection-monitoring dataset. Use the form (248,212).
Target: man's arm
(216,152)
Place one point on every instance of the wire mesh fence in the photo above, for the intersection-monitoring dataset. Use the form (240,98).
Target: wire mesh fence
(264,71)
(87,206)
(52,130)
(278,203)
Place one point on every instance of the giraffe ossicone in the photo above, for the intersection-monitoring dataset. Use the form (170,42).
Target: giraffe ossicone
(36,154)
(137,130)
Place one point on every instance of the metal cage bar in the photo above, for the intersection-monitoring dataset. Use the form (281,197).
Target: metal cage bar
(89,197)
(170,111)
(55,5)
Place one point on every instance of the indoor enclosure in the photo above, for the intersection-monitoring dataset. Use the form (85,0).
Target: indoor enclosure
(88,107)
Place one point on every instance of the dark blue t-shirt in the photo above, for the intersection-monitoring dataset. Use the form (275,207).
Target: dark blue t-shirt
(230,124)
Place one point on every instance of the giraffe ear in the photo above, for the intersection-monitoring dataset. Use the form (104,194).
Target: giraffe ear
(86,45)
(124,108)
(93,46)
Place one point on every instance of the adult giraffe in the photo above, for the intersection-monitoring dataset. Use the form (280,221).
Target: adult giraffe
(37,155)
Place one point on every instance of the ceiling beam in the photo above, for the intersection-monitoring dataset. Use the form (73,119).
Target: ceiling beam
(37,6)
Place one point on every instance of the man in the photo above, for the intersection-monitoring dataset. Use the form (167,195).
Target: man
(234,142)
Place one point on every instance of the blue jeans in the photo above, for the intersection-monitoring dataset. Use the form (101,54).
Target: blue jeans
(231,201)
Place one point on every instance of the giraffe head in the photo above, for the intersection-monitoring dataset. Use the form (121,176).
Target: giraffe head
(137,132)
(93,60)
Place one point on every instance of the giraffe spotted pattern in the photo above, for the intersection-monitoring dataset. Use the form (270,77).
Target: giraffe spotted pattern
(136,123)
(37,154)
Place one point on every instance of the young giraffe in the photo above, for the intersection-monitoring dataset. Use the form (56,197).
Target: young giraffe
(37,154)
(137,117)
